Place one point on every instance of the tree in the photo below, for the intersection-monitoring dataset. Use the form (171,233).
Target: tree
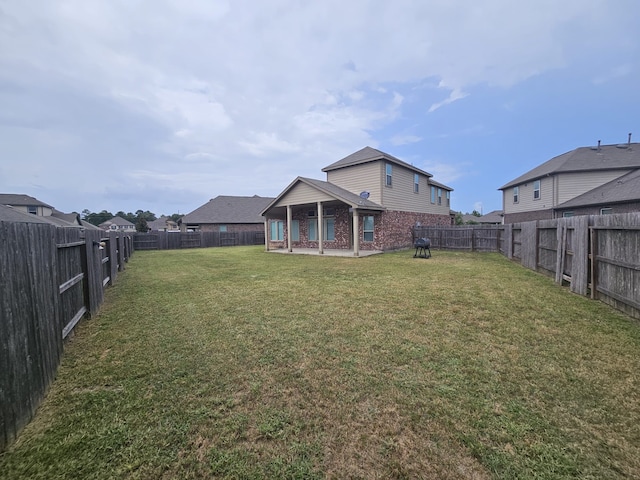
(141,225)
(96,218)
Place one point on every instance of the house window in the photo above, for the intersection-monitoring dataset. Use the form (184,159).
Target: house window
(416,183)
(367,228)
(329,231)
(567,214)
(32,209)
(439,196)
(448,194)
(313,229)
(433,194)
(223,228)
(277,230)
(389,172)
(536,190)
(329,211)
(606,211)
(295,230)
(516,193)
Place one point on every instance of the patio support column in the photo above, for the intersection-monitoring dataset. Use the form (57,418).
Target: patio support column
(266,234)
(289,229)
(356,233)
(320,224)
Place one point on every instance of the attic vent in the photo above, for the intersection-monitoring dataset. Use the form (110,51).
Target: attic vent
(622,145)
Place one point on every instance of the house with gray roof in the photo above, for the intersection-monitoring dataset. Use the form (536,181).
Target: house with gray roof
(118,224)
(227,213)
(370,201)
(163,224)
(592,179)
(621,195)
(33,210)
(26,204)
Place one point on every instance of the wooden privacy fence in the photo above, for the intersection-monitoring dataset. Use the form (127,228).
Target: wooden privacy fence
(177,240)
(596,255)
(50,278)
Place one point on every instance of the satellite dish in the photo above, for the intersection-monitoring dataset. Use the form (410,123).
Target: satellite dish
(364,194)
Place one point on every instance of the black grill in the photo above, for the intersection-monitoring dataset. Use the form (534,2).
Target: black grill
(422,246)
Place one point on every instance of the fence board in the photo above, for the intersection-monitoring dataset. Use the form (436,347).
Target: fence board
(177,240)
(50,278)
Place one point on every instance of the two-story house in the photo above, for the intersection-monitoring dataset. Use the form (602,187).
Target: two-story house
(34,208)
(588,180)
(118,224)
(369,201)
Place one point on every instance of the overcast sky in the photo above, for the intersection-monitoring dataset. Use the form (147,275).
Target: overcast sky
(161,105)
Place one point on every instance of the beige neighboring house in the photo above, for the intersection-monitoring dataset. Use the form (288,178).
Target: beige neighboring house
(28,205)
(600,179)
(370,200)
(163,224)
(118,224)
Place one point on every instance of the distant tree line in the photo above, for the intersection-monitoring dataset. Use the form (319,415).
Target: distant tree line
(459,218)
(140,219)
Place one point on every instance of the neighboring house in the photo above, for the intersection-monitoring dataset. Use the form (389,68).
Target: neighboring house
(566,185)
(370,201)
(227,214)
(28,205)
(118,224)
(492,218)
(163,224)
(621,195)
(11,214)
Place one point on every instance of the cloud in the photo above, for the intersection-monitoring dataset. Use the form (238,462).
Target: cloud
(454,95)
(181,88)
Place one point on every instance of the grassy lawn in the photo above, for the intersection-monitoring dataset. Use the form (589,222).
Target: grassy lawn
(234,363)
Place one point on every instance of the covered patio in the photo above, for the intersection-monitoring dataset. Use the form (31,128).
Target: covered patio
(327,252)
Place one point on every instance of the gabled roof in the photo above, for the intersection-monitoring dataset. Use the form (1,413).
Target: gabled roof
(121,222)
(623,189)
(495,216)
(20,200)
(8,214)
(71,218)
(368,154)
(339,193)
(161,222)
(604,157)
(228,210)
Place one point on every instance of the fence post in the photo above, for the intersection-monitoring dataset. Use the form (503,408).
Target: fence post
(594,259)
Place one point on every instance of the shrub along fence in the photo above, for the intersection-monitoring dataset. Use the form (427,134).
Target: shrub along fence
(177,240)
(595,255)
(50,278)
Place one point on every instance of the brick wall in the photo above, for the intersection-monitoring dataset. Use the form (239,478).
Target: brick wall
(395,227)
(392,230)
